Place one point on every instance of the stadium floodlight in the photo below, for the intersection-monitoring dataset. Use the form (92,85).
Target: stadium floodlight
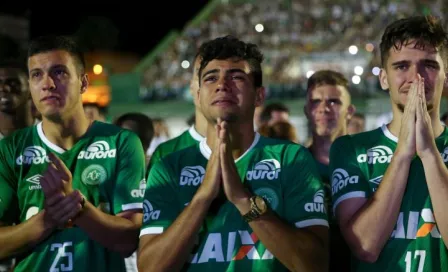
(353,49)
(356,80)
(370,47)
(185,64)
(97,69)
(309,74)
(358,70)
(259,28)
(376,71)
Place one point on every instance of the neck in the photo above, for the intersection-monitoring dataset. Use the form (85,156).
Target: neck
(395,125)
(241,137)
(320,148)
(10,122)
(200,123)
(66,131)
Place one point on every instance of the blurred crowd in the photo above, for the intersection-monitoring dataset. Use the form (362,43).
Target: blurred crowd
(290,29)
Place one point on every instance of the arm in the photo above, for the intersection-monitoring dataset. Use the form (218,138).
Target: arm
(24,236)
(299,249)
(356,211)
(436,175)
(300,239)
(118,233)
(168,251)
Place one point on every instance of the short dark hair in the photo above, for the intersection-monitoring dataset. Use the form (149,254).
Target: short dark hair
(230,47)
(425,30)
(326,77)
(143,126)
(47,43)
(266,114)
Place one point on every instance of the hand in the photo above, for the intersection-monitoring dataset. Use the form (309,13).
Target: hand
(211,184)
(232,184)
(407,142)
(57,178)
(425,143)
(60,208)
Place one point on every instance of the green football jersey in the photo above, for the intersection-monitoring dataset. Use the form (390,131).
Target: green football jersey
(107,165)
(282,172)
(358,163)
(187,138)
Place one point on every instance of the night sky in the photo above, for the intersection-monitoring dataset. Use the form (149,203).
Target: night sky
(130,18)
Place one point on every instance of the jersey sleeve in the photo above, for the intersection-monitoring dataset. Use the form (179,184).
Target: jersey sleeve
(347,179)
(304,192)
(130,182)
(7,181)
(160,207)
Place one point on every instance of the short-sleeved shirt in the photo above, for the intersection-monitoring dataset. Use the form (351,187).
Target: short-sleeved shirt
(107,165)
(358,163)
(282,172)
(186,139)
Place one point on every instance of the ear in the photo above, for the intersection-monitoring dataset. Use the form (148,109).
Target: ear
(260,96)
(350,111)
(306,111)
(383,79)
(84,83)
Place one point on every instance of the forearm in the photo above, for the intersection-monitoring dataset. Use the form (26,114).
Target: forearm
(113,232)
(171,249)
(436,175)
(384,207)
(297,249)
(20,238)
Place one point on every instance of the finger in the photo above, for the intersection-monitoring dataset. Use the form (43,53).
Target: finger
(60,165)
(71,214)
(46,188)
(54,199)
(425,109)
(54,178)
(68,204)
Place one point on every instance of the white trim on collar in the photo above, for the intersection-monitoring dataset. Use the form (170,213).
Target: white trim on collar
(388,134)
(207,152)
(195,134)
(47,142)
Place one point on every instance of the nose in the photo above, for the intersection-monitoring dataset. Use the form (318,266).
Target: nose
(48,83)
(414,70)
(323,106)
(223,84)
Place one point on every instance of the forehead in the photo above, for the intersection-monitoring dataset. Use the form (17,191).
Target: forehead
(227,64)
(46,60)
(330,91)
(409,52)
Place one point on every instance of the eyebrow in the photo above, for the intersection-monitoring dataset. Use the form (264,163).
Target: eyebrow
(230,71)
(402,62)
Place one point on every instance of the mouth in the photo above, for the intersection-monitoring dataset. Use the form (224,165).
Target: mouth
(51,98)
(224,102)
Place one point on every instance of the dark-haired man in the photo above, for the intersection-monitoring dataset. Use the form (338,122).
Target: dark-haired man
(235,200)
(15,112)
(328,108)
(390,185)
(69,181)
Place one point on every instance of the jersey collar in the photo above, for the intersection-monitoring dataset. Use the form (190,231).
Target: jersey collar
(195,134)
(207,152)
(47,142)
(389,134)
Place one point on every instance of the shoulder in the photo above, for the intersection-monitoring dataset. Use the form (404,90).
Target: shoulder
(358,140)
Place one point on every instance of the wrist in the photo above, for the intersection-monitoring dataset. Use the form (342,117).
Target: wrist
(243,204)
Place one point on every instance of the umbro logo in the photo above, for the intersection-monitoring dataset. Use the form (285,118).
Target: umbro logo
(35,180)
